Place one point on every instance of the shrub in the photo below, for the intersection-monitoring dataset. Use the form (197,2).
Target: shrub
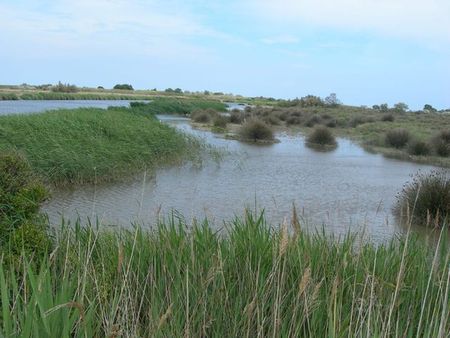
(254,129)
(426,198)
(313,120)
(64,88)
(441,143)
(272,120)
(123,86)
(388,118)
(293,120)
(220,121)
(201,116)
(21,195)
(321,136)
(418,148)
(236,116)
(331,124)
(397,138)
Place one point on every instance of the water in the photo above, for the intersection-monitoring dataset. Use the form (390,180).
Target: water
(37,106)
(345,189)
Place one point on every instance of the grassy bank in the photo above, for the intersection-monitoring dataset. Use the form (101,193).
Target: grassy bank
(251,281)
(93,145)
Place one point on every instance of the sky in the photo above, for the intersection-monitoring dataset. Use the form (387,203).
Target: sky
(366,51)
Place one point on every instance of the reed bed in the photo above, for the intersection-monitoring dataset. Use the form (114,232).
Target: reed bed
(251,280)
(92,145)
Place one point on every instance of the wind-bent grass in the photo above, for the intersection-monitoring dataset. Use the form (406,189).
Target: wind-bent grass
(92,145)
(251,281)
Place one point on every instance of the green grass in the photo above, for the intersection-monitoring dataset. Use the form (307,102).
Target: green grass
(250,281)
(93,145)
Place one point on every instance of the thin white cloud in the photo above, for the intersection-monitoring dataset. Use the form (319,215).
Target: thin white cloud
(420,20)
(132,26)
(280,39)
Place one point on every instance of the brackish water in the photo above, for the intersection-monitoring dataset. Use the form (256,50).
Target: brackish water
(345,189)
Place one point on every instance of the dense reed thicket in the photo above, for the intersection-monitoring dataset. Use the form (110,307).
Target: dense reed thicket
(188,280)
(92,145)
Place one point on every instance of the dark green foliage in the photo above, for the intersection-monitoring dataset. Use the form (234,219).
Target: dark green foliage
(426,198)
(21,194)
(321,136)
(441,143)
(331,124)
(397,138)
(255,130)
(123,86)
(418,148)
(388,118)
(8,96)
(313,120)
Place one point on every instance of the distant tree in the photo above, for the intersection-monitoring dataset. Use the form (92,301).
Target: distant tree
(64,88)
(206,92)
(376,107)
(332,100)
(384,107)
(178,90)
(123,86)
(311,101)
(401,107)
(100,87)
(429,108)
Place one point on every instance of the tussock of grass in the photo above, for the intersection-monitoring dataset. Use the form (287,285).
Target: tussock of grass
(255,130)
(174,282)
(426,199)
(93,145)
(397,138)
(321,136)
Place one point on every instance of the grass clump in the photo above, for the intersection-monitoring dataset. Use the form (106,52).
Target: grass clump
(321,136)
(256,130)
(418,148)
(220,121)
(93,145)
(397,138)
(426,199)
(388,117)
(188,280)
(441,143)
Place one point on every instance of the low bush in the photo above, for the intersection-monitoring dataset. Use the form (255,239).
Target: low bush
(321,136)
(441,143)
(418,148)
(220,121)
(256,130)
(313,120)
(426,198)
(388,118)
(201,116)
(397,138)
(236,116)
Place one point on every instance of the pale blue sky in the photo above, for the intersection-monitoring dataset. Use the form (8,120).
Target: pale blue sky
(367,51)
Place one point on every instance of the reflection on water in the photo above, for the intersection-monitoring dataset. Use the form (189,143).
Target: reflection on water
(345,189)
